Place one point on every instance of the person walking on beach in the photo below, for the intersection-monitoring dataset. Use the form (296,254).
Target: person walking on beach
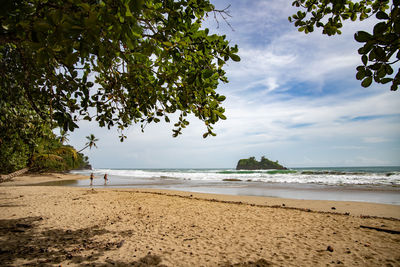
(91,179)
(105,178)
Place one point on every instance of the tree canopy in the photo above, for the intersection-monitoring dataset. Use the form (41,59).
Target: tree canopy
(115,61)
(118,62)
(381,48)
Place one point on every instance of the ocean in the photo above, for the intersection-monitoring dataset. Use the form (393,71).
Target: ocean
(367,184)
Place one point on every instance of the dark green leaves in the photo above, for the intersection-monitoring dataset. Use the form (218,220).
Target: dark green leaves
(367,81)
(119,62)
(380,28)
(362,36)
(380,46)
(235,57)
(382,15)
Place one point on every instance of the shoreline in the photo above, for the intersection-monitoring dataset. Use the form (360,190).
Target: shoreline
(354,208)
(368,194)
(331,187)
(75,226)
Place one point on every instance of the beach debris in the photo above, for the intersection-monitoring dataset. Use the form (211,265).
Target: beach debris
(333,208)
(9,177)
(120,244)
(231,180)
(329,248)
(337,262)
(381,229)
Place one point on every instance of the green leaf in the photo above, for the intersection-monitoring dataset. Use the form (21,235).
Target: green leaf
(366,82)
(375,66)
(389,69)
(364,60)
(386,80)
(235,57)
(360,74)
(381,72)
(207,73)
(221,98)
(382,15)
(380,28)
(362,36)
(128,12)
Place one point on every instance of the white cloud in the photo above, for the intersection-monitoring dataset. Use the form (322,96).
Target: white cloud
(375,139)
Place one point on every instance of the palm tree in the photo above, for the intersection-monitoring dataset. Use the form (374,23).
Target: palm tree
(91,142)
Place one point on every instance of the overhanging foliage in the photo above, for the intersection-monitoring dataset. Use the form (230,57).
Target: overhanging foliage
(115,61)
(381,48)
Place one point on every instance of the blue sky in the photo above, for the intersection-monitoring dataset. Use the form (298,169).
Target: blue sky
(293,98)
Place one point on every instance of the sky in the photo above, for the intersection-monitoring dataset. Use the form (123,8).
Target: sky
(292,98)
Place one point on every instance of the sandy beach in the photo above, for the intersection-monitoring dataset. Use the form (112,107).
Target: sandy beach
(69,226)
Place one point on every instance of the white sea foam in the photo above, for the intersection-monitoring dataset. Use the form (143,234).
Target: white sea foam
(218,175)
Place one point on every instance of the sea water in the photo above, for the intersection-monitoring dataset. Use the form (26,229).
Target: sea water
(326,176)
(370,184)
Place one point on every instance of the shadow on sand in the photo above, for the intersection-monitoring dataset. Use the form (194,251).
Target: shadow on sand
(23,244)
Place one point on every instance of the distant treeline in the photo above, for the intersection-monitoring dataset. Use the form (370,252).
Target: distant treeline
(252,164)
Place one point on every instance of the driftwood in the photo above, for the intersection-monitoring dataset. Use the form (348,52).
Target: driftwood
(381,229)
(9,177)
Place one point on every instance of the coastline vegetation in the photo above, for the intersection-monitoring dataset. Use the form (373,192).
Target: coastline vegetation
(40,151)
(264,164)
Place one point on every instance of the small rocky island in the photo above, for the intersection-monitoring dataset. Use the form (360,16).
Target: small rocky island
(252,164)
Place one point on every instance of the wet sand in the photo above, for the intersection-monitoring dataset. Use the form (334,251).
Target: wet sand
(385,194)
(55,225)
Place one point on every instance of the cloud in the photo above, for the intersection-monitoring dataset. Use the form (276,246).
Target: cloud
(375,139)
